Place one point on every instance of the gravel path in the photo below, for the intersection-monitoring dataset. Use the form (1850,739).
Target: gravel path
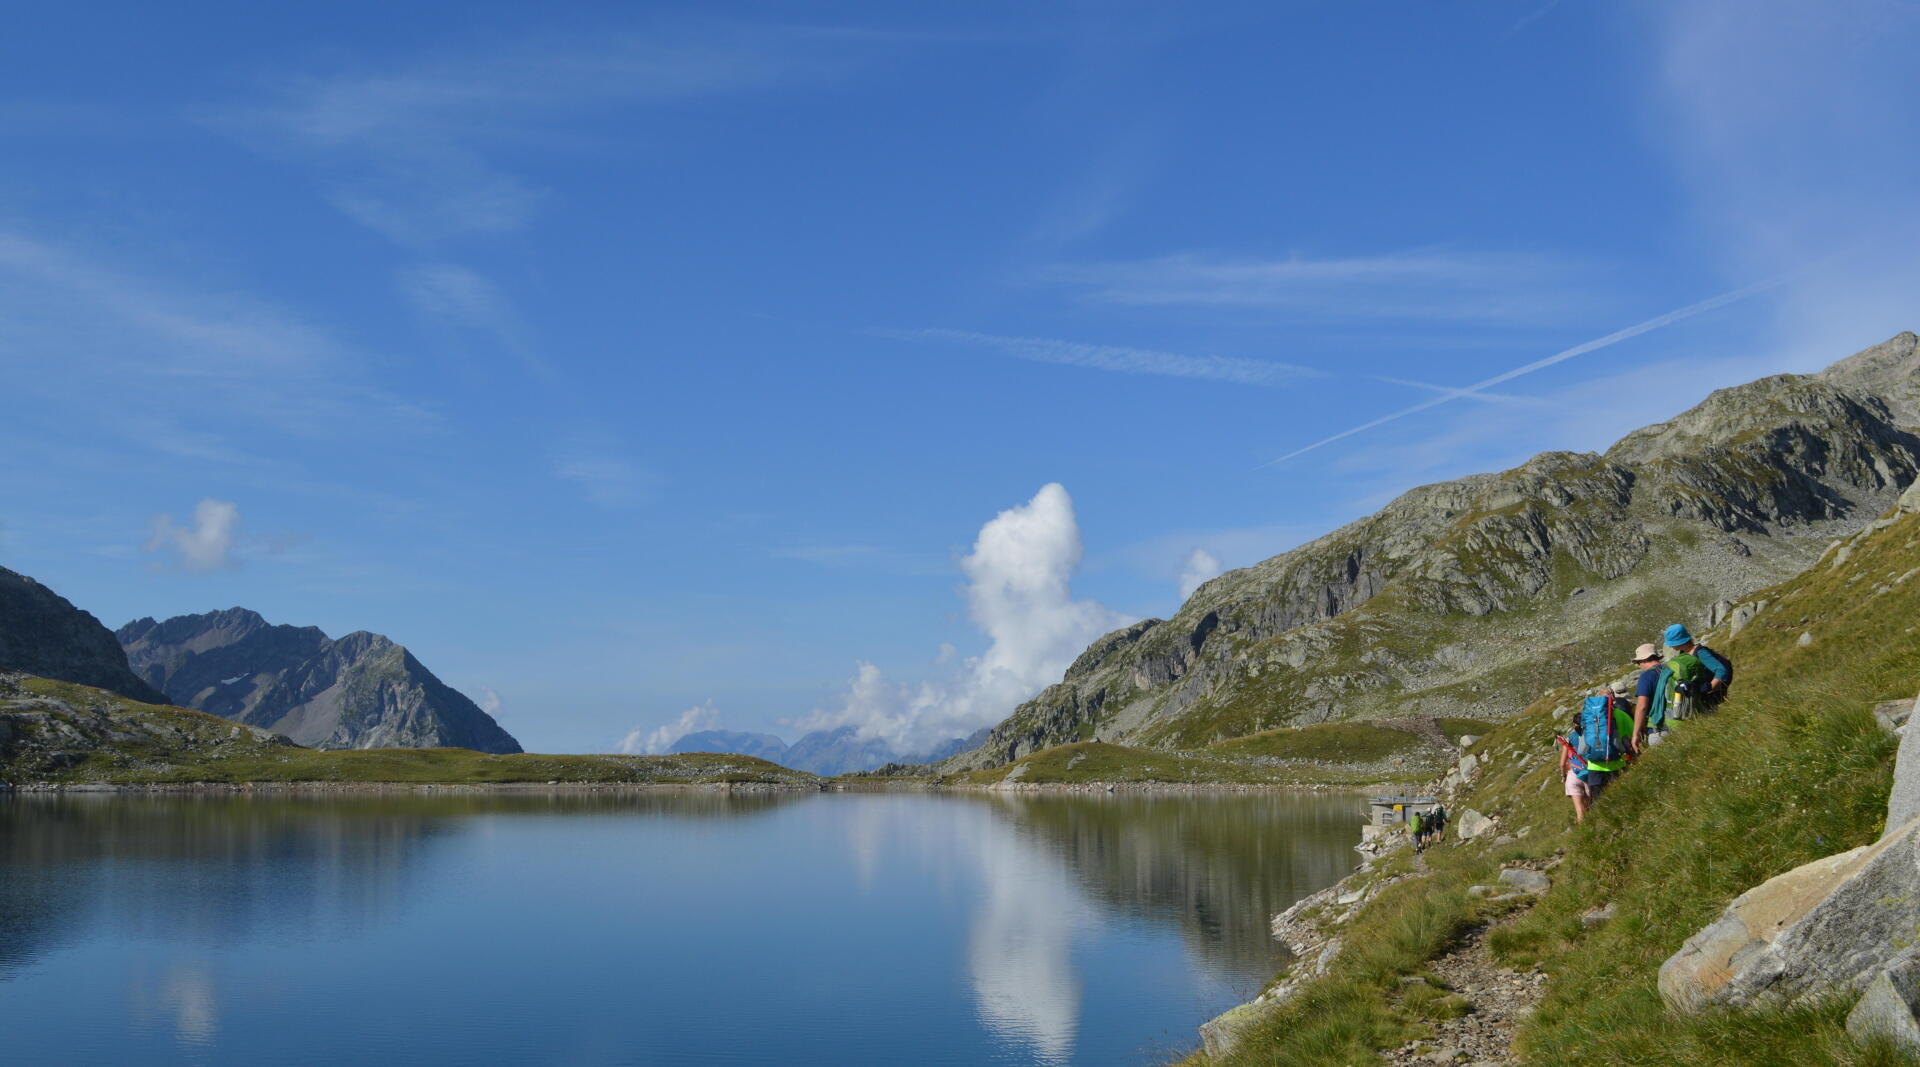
(1501,998)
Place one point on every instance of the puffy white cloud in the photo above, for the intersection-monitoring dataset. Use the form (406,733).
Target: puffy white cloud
(488,700)
(660,738)
(1201,565)
(1019,594)
(207,544)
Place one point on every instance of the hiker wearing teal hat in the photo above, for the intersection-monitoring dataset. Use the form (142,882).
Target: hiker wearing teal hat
(1695,677)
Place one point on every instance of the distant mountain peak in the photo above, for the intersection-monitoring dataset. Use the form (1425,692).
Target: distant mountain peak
(361,691)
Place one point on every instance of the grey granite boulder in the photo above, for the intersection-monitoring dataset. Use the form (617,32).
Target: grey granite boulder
(1903,803)
(1472,824)
(1889,1007)
(1824,927)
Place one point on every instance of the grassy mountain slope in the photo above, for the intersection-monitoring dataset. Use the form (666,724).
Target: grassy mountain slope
(1793,767)
(1465,598)
(61,733)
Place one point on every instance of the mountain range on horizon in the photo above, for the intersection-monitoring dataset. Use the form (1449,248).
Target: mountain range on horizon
(358,691)
(822,752)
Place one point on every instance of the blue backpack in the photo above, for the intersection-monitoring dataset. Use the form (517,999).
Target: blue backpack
(1598,741)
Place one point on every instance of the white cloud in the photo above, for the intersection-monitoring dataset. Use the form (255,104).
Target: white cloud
(660,738)
(1201,566)
(206,545)
(1019,594)
(1124,360)
(489,701)
(1415,284)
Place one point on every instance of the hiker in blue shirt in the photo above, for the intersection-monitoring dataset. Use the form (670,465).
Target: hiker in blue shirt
(1649,724)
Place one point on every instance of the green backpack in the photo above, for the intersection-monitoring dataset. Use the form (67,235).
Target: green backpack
(1683,682)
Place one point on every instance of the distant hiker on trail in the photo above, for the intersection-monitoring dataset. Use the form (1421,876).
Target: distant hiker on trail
(1417,831)
(1592,752)
(1439,816)
(1649,715)
(1694,679)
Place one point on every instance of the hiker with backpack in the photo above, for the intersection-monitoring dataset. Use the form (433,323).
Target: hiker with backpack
(1417,831)
(1593,751)
(1649,713)
(1708,681)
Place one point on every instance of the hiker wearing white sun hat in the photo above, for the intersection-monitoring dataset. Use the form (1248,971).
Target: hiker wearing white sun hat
(1645,734)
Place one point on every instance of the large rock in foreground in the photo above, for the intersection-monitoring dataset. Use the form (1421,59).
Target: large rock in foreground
(42,634)
(1829,926)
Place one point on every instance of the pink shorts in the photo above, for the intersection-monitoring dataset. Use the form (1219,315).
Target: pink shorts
(1576,787)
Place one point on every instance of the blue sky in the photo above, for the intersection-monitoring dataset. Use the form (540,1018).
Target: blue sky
(651,366)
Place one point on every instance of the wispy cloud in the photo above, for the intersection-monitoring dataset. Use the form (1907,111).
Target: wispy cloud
(416,151)
(1790,123)
(1453,393)
(179,367)
(453,295)
(1416,284)
(1614,338)
(599,467)
(1122,360)
(1530,18)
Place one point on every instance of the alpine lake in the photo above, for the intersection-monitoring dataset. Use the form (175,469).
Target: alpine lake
(645,927)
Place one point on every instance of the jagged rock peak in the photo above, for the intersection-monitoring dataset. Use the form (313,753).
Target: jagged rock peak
(361,691)
(1890,369)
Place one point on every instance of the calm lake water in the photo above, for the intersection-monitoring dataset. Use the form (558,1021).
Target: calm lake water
(652,928)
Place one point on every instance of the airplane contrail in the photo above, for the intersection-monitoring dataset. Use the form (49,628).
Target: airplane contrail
(1614,338)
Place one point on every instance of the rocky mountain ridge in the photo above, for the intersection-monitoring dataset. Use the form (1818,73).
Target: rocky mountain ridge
(1464,598)
(42,634)
(359,691)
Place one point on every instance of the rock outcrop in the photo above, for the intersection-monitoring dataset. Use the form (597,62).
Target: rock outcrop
(42,634)
(1890,1008)
(1825,927)
(48,729)
(1903,803)
(360,691)
(1459,598)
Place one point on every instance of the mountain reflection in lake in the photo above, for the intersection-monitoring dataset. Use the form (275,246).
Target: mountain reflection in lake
(655,927)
